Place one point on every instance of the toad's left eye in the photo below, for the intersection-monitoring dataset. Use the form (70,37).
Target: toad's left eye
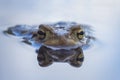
(80,34)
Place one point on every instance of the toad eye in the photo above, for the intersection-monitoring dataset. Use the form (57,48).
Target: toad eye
(80,34)
(41,35)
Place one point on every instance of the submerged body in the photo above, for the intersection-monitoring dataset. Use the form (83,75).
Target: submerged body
(58,42)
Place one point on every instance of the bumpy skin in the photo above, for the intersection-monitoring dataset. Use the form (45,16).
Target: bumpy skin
(58,42)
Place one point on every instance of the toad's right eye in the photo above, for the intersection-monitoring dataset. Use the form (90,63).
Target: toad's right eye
(41,35)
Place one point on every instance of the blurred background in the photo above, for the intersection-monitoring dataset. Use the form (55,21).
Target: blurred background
(18,60)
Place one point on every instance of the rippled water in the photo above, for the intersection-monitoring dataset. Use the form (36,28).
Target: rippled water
(18,60)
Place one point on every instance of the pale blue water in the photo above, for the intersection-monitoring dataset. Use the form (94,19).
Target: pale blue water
(102,62)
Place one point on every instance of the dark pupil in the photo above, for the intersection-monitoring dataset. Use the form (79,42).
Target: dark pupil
(81,33)
(41,35)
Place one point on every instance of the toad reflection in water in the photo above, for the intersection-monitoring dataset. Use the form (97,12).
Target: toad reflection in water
(58,42)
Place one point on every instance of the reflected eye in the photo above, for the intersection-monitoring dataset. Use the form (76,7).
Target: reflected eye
(41,35)
(80,34)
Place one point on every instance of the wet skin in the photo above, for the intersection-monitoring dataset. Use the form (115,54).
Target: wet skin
(60,42)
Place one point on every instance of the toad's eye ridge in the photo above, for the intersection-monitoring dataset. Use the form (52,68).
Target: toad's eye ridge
(80,35)
(41,34)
